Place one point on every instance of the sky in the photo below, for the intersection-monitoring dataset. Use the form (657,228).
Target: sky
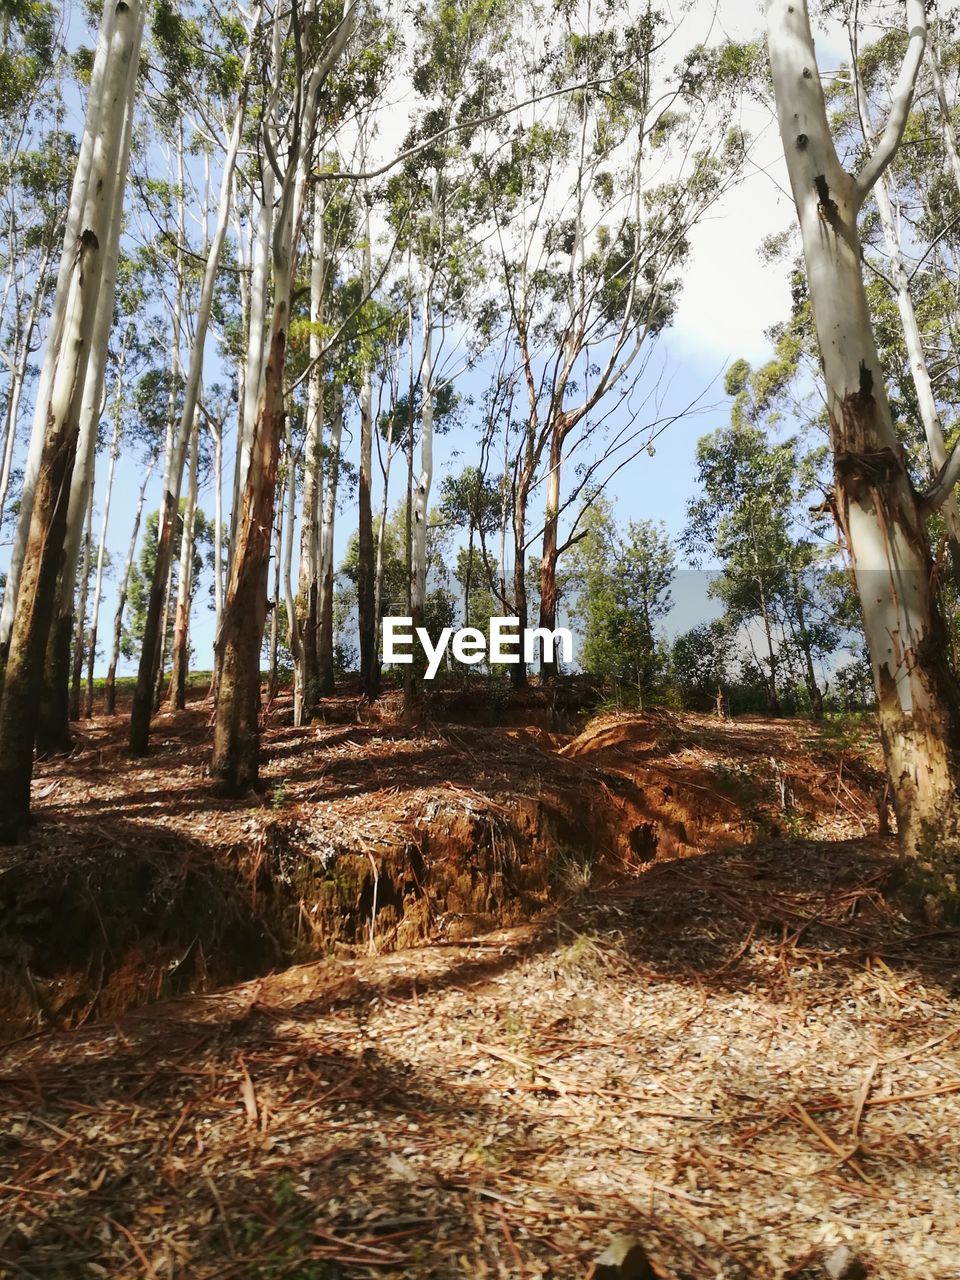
(729,299)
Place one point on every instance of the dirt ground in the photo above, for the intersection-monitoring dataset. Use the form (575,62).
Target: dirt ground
(506,993)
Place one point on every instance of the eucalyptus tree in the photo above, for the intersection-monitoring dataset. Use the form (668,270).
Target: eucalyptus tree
(455,74)
(111,88)
(141,403)
(313,49)
(226,73)
(946,111)
(120,390)
(622,579)
(33,207)
(57,707)
(32,49)
(304,622)
(893,194)
(882,515)
(588,245)
(348,330)
(393,425)
(470,500)
(91,227)
(752,515)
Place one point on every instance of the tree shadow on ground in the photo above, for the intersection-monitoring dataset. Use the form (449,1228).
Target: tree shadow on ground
(264,1131)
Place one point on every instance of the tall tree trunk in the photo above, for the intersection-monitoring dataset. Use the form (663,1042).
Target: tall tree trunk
(166,622)
(110,686)
(420,506)
(913,339)
(103,84)
(325,664)
(254,368)
(102,548)
(283,581)
(76,676)
(236,743)
(381,539)
(273,673)
(550,552)
(150,668)
(773,691)
(410,684)
(236,739)
(946,115)
(180,654)
(366,562)
(307,675)
(882,518)
(518,670)
(217,434)
(148,690)
(58,703)
(36,596)
(814,692)
(421,499)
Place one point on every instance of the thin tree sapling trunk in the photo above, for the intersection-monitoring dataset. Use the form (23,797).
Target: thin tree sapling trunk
(326,675)
(76,675)
(366,561)
(180,651)
(110,686)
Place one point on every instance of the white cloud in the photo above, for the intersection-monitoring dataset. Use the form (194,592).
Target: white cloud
(729,295)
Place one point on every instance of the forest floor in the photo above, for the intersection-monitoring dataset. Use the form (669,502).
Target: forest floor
(469,1000)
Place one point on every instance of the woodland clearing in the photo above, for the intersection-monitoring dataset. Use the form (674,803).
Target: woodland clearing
(700,1021)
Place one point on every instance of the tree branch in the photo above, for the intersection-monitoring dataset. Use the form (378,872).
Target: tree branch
(892,134)
(932,499)
(475,122)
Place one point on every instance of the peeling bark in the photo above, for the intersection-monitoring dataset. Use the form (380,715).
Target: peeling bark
(35,599)
(102,82)
(881,516)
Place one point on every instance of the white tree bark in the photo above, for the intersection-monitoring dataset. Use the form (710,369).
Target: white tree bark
(181,624)
(191,390)
(102,547)
(81,482)
(382,529)
(926,401)
(103,84)
(151,660)
(125,586)
(293,627)
(216,432)
(327,529)
(425,479)
(946,116)
(308,584)
(80,635)
(236,724)
(918,703)
(255,366)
